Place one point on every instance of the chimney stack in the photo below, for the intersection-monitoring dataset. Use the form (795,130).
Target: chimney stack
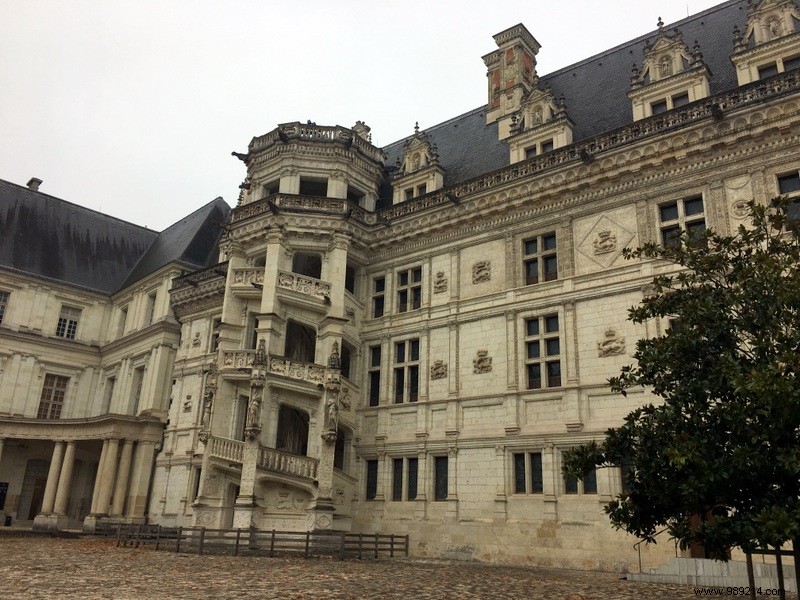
(34,183)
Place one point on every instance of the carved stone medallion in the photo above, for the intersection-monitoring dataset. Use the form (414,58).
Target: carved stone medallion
(481,271)
(439,370)
(612,345)
(482,363)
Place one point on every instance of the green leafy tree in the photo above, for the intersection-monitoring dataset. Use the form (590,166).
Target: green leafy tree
(718,460)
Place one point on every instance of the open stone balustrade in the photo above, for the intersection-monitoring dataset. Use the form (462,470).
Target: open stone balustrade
(293,465)
(713,107)
(277,365)
(304,285)
(248,276)
(231,450)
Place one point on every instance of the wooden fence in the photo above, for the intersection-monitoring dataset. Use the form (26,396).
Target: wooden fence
(256,542)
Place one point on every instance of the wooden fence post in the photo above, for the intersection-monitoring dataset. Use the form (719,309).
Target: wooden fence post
(119,532)
(751,579)
(341,545)
(391,545)
(202,539)
(376,545)
(178,540)
(406,545)
(360,541)
(138,531)
(308,539)
(238,537)
(779,564)
(272,545)
(158,536)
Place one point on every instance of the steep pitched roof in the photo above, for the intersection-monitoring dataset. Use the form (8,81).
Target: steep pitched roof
(51,238)
(193,241)
(594,90)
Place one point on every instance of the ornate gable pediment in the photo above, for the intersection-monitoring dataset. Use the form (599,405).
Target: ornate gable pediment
(766,21)
(418,153)
(667,56)
(539,107)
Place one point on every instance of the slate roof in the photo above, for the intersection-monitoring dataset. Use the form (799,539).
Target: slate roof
(595,92)
(54,239)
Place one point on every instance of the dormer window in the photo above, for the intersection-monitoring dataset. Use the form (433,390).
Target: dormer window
(418,170)
(770,44)
(672,76)
(541,126)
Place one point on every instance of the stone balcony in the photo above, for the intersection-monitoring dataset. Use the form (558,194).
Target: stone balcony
(199,290)
(304,285)
(247,277)
(313,373)
(269,459)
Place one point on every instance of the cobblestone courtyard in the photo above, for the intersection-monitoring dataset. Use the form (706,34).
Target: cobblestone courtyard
(41,567)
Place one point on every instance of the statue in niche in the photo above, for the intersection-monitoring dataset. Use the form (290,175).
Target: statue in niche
(482,363)
(481,271)
(439,370)
(774,27)
(416,161)
(196,340)
(605,242)
(331,412)
(536,115)
(612,345)
(665,66)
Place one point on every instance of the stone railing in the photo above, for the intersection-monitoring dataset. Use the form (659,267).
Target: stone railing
(277,365)
(293,465)
(194,279)
(237,359)
(297,203)
(232,450)
(304,285)
(306,132)
(248,276)
(310,372)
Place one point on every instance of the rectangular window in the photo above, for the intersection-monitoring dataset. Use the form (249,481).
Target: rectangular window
(422,189)
(413,467)
(397,479)
(108,394)
(528,477)
(682,215)
(540,259)
(680,100)
(530,152)
(409,193)
(4,296)
(587,485)
(346,360)
(374,375)
(350,279)
(543,352)
(378,296)
(789,184)
(409,289)
(215,327)
(149,308)
(67,325)
(52,399)
(406,371)
(767,71)
(136,389)
(440,478)
(372,479)
(626,472)
(659,107)
(547,146)
(789,64)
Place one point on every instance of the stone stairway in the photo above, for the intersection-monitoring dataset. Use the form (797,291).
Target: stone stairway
(714,573)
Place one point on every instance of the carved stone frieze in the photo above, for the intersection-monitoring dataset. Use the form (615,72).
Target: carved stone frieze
(481,271)
(482,363)
(439,369)
(612,345)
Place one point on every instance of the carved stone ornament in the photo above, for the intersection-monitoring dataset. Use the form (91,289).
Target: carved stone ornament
(605,242)
(739,209)
(439,283)
(482,363)
(439,369)
(481,271)
(196,341)
(612,345)
(350,313)
(344,399)
(331,418)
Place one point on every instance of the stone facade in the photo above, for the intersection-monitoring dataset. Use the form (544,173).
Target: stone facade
(392,342)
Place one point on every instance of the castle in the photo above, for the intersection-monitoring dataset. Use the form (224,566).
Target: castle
(401,339)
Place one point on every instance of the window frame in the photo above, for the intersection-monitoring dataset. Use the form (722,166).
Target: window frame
(411,290)
(374,375)
(406,371)
(540,255)
(69,319)
(681,222)
(53,396)
(538,344)
(532,483)
(5,300)
(371,476)
(378,296)
(445,481)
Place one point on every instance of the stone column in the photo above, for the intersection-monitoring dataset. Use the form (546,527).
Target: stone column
(65,480)
(451,512)
(48,504)
(107,476)
(139,486)
(2,442)
(121,488)
(337,265)
(97,477)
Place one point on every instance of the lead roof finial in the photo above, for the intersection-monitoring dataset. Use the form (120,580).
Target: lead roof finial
(416,127)
(660,24)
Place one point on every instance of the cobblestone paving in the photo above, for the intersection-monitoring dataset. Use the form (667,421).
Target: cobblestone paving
(39,567)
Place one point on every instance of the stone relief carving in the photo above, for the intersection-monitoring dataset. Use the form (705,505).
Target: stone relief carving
(187,405)
(739,209)
(350,313)
(482,363)
(196,341)
(612,345)
(481,271)
(439,283)
(605,242)
(439,369)
(344,399)
(286,500)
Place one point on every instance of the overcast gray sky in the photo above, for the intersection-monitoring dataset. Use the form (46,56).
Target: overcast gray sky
(133,107)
